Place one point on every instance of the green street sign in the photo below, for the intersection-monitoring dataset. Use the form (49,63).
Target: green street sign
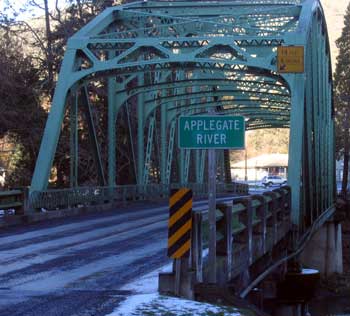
(211,132)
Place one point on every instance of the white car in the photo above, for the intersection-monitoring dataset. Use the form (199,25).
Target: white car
(270,180)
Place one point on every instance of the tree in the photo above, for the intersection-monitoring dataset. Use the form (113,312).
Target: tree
(22,118)
(263,141)
(31,54)
(342,97)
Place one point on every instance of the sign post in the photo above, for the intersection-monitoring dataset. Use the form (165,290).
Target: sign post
(212,132)
(212,214)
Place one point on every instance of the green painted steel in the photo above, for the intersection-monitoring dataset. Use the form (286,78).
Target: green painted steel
(74,141)
(112,87)
(166,59)
(87,110)
(84,196)
(205,132)
(148,150)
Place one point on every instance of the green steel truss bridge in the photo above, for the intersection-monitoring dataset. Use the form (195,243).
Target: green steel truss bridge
(164,59)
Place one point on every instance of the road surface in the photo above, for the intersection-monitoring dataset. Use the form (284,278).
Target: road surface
(76,267)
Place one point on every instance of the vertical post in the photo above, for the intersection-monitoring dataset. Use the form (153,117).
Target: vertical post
(202,166)
(74,141)
(212,210)
(182,166)
(221,163)
(140,136)
(187,164)
(273,209)
(170,151)
(180,75)
(296,146)
(212,214)
(227,166)
(177,276)
(261,213)
(198,152)
(92,135)
(248,221)
(149,149)
(225,225)
(163,142)
(198,165)
(27,208)
(196,247)
(316,101)
(229,241)
(111,131)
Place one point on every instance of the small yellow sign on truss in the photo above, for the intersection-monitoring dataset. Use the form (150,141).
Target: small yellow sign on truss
(290,59)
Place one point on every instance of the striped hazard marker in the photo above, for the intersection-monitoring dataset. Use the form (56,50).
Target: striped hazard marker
(180,223)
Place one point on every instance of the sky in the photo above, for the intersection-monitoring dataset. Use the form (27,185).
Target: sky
(334,11)
(17,4)
(331,6)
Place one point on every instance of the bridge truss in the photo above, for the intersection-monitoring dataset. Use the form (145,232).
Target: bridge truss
(163,59)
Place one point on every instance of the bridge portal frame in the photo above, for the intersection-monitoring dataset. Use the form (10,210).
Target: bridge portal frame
(185,58)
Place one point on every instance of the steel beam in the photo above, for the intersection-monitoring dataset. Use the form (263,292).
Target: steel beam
(53,126)
(86,107)
(140,132)
(112,110)
(296,145)
(228,45)
(74,154)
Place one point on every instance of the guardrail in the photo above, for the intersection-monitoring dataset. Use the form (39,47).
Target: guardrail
(246,230)
(84,196)
(12,202)
(18,202)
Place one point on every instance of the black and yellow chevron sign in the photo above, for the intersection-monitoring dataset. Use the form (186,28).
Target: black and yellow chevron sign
(180,223)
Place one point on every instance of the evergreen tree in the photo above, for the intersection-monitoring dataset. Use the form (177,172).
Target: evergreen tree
(342,97)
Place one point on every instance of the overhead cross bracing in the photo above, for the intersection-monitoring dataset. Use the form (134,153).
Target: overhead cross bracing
(164,59)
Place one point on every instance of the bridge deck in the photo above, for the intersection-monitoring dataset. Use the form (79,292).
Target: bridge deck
(51,268)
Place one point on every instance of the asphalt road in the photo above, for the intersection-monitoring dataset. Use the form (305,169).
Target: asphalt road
(76,266)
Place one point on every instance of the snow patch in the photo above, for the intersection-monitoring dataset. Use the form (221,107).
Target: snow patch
(156,305)
(147,284)
(129,306)
(147,301)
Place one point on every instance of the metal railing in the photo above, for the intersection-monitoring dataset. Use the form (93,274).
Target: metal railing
(246,229)
(18,201)
(84,196)
(12,202)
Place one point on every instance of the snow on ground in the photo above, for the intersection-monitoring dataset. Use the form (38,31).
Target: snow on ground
(147,301)
(156,305)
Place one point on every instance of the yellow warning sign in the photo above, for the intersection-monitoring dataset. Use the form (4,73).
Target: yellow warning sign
(290,59)
(180,223)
